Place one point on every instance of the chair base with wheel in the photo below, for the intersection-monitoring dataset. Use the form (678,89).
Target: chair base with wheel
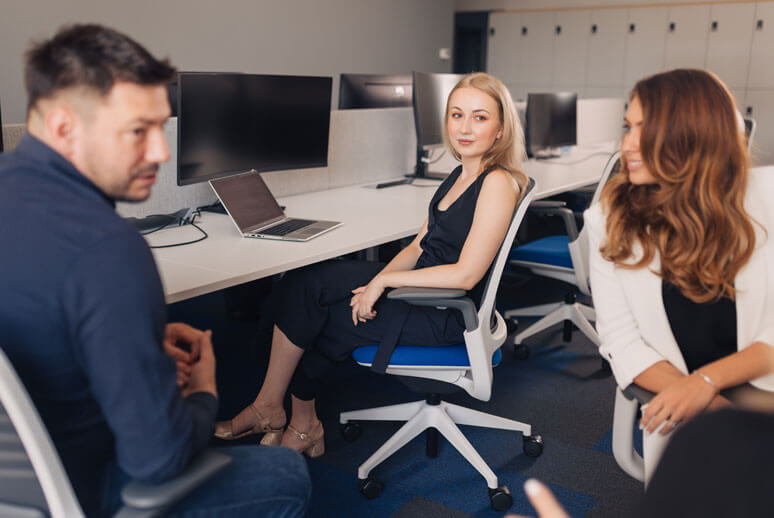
(434,416)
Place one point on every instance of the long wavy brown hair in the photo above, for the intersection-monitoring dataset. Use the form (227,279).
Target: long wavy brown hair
(694,214)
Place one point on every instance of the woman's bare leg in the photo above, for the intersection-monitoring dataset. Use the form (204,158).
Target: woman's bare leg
(283,361)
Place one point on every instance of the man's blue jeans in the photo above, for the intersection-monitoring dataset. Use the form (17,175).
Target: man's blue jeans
(266,481)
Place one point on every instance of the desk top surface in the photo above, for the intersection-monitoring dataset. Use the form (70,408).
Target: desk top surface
(370,217)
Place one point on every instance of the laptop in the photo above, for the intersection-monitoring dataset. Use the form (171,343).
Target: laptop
(256,213)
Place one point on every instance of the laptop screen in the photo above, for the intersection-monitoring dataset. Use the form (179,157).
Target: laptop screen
(247,199)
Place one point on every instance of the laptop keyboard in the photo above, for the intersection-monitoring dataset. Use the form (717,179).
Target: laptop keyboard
(287,227)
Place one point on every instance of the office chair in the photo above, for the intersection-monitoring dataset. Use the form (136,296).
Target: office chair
(33,482)
(468,366)
(565,258)
(625,422)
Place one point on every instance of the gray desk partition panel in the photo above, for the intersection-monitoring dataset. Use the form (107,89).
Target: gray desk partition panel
(371,145)
(12,134)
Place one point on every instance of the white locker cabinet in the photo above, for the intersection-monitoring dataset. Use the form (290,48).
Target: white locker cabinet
(536,48)
(571,41)
(762,104)
(607,42)
(761,73)
(728,43)
(502,52)
(645,42)
(686,37)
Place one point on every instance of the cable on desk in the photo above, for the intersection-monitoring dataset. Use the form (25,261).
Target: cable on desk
(191,221)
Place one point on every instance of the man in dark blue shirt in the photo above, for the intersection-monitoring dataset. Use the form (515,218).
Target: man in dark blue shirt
(82,313)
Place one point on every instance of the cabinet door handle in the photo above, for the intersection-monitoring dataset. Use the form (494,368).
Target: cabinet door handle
(672,27)
(714,26)
(558,29)
(594,28)
(491,31)
(632,27)
(749,110)
(759,25)
(524,30)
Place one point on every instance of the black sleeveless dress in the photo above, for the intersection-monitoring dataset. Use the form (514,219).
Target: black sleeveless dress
(311,305)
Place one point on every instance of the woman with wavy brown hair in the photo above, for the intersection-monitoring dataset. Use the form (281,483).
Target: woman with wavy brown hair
(682,267)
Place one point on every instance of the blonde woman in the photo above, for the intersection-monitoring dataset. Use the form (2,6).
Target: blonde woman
(682,263)
(323,312)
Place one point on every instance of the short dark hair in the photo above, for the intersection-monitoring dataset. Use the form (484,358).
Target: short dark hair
(90,56)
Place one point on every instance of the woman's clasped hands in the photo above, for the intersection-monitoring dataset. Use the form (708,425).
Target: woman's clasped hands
(680,401)
(364,298)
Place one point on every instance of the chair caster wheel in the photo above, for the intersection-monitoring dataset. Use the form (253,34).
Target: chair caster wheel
(500,498)
(521,351)
(533,445)
(351,431)
(370,487)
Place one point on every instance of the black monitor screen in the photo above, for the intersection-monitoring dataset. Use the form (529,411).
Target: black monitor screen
(235,122)
(430,93)
(357,91)
(551,120)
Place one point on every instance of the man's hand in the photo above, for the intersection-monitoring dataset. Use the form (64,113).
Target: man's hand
(678,402)
(181,343)
(202,376)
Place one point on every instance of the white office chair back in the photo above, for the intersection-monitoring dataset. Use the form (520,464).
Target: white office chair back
(24,441)
(487,338)
(579,249)
(749,131)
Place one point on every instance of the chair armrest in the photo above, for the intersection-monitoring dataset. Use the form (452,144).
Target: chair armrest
(546,204)
(146,497)
(640,394)
(440,297)
(558,208)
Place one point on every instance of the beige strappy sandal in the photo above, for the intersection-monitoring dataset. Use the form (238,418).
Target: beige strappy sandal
(273,436)
(313,443)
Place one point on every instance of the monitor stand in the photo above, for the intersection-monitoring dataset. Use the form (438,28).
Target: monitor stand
(421,171)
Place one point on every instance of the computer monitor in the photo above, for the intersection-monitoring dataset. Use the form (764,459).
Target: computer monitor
(230,122)
(358,91)
(430,94)
(551,122)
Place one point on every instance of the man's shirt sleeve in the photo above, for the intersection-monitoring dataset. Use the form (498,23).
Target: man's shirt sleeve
(114,304)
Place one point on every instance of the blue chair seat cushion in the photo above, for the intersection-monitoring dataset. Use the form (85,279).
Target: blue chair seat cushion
(553,250)
(417,355)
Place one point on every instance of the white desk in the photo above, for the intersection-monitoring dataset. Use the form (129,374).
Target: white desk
(370,217)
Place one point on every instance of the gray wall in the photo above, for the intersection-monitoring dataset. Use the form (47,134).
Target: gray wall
(313,37)
(306,37)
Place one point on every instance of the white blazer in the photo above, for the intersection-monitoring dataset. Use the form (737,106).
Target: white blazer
(631,319)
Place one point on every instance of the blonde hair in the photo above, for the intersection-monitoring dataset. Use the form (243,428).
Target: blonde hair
(508,151)
(694,214)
